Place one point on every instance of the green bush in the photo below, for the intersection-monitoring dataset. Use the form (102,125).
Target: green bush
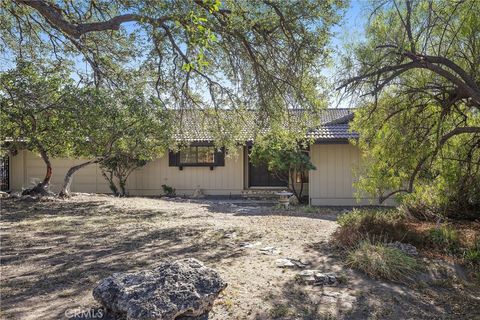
(358,216)
(471,256)
(445,238)
(168,191)
(375,225)
(381,262)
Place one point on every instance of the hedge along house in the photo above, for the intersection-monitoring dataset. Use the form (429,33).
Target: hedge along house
(202,166)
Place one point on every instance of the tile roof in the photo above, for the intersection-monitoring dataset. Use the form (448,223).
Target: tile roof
(196,126)
(332,132)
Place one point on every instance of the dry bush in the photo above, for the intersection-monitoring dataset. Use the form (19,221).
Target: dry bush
(374,225)
(381,262)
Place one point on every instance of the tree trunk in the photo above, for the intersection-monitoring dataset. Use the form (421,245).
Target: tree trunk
(122,183)
(48,175)
(42,187)
(292,183)
(111,182)
(300,194)
(65,192)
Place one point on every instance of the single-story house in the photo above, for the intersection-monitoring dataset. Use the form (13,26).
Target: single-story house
(215,173)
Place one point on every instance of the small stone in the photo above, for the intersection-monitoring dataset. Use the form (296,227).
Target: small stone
(316,277)
(230,235)
(198,193)
(250,245)
(404,247)
(270,251)
(323,279)
(290,263)
(284,263)
(306,276)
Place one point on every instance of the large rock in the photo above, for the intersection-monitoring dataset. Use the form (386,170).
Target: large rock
(183,288)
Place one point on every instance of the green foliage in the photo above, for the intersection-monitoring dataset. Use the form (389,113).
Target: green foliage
(140,133)
(471,256)
(195,54)
(43,111)
(32,112)
(356,217)
(168,191)
(418,132)
(445,238)
(285,153)
(117,169)
(381,262)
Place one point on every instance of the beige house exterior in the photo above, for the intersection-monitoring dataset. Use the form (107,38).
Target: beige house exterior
(331,184)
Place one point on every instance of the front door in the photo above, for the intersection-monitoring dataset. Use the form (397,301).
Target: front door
(260,176)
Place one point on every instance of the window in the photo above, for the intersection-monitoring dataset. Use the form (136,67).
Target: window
(197,156)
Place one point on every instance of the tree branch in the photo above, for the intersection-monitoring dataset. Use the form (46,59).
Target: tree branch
(54,15)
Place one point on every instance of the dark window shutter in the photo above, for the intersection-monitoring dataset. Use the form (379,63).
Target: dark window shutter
(220,157)
(173,159)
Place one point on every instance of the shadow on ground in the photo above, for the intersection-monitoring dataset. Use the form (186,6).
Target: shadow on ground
(61,249)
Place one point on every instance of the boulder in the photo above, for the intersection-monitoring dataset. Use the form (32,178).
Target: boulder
(404,247)
(173,290)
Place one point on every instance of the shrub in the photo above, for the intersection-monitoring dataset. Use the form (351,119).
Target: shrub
(471,256)
(279,311)
(168,191)
(358,225)
(381,262)
(445,238)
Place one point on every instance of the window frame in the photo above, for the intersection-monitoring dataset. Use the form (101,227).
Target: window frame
(196,163)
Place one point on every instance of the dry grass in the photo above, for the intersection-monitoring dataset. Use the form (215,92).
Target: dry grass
(374,225)
(381,262)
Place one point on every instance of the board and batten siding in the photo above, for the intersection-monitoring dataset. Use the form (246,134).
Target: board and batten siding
(331,184)
(28,168)
(222,180)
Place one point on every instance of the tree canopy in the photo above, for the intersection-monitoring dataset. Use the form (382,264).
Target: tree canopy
(265,55)
(418,75)
(31,100)
(285,153)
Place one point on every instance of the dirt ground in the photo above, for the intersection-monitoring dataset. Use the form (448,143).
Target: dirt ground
(54,252)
